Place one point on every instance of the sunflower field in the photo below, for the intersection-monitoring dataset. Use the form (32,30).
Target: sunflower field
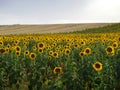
(63,61)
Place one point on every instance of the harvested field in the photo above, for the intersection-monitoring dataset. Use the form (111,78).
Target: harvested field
(47,28)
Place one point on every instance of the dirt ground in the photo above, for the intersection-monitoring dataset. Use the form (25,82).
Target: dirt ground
(47,28)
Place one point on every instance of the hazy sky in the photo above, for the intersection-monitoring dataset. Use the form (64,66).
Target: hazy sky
(58,11)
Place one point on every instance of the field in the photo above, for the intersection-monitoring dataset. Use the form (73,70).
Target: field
(50,28)
(80,60)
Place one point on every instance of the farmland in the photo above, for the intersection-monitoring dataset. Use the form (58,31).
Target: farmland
(75,60)
(47,28)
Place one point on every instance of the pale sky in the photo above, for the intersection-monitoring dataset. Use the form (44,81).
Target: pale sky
(58,11)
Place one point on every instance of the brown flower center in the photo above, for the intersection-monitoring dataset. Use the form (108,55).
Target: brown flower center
(57,70)
(87,50)
(17,48)
(119,39)
(76,45)
(40,45)
(50,52)
(67,52)
(0,42)
(2,50)
(32,56)
(17,53)
(97,65)
(55,54)
(40,50)
(81,54)
(82,42)
(109,49)
(26,52)
(114,45)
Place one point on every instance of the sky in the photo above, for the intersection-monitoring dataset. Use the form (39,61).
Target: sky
(58,11)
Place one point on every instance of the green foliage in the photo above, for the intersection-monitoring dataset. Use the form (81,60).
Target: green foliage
(106,29)
(23,73)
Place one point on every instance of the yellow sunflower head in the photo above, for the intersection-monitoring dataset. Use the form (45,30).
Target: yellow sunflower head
(16,41)
(110,50)
(40,50)
(1,43)
(87,51)
(8,46)
(119,39)
(81,54)
(115,44)
(76,46)
(57,70)
(82,42)
(7,49)
(34,48)
(55,54)
(18,48)
(50,52)
(67,51)
(67,47)
(97,66)
(26,53)
(32,56)
(2,50)
(41,45)
(18,53)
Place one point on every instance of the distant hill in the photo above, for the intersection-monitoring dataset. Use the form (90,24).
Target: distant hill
(111,28)
(49,28)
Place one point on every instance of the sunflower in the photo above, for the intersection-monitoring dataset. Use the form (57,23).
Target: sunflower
(34,48)
(26,53)
(1,43)
(87,51)
(82,42)
(18,48)
(41,45)
(76,46)
(67,51)
(57,50)
(55,54)
(119,39)
(61,50)
(110,50)
(14,44)
(81,54)
(97,66)
(40,50)
(18,53)
(66,47)
(17,42)
(47,47)
(25,43)
(2,50)
(57,70)
(115,44)
(54,44)
(50,52)
(7,49)
(103,43)
(68,44)
(8,46)
(32,56)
